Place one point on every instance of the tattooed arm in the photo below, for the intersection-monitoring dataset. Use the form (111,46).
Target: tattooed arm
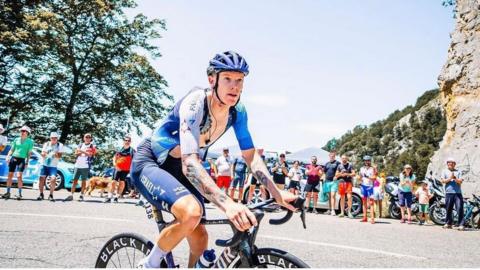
(241,217)
(260,172)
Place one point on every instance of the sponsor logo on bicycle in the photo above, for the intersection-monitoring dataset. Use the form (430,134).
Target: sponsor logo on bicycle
(122,243)
(267,259)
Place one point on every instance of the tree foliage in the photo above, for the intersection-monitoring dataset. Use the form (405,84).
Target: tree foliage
(83,68)
(392,144)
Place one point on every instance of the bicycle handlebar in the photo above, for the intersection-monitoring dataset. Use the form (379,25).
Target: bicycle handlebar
(238,236)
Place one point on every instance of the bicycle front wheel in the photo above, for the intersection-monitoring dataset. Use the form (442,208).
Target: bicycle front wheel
(270,257)
(123,250)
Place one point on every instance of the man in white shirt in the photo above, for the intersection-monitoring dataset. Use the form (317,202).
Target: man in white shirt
(224,170)
(85,152)
(51,153)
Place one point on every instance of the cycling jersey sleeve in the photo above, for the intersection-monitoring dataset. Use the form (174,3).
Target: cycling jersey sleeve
(190,113)
(241,128)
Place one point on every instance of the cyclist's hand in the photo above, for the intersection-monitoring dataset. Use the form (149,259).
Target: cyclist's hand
(284,199)
(241,217)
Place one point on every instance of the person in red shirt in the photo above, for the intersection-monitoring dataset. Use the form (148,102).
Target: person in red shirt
(314,172)
(122,162)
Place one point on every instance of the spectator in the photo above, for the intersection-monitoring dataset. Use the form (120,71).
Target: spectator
(17,159)
(368,175)
(51,153)
(423,194)
(84,152)
(295,174)
(3,139)
(211,168)
(314,172)
(452,178)
(377,193)
(331,185)
(345,174)
(280,171)
(407,179)
(254,182)
(224,171)
(122,160)
(240,172)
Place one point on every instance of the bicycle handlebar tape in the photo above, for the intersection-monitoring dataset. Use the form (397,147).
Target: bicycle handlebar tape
(298,203)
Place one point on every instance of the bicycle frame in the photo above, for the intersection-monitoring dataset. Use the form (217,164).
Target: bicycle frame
(242,244)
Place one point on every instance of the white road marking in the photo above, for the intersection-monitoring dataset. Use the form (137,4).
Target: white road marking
(65,216)
(393,254)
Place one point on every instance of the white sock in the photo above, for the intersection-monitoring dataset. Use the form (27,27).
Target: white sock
(110,195)
(156,256)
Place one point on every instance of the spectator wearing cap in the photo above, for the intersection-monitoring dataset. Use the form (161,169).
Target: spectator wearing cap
(122,160)
(280,171)
(405,195)
(224,170)
(51,153)
(452,178)
(3,139)
(17,159)
(368,174)
(84,152)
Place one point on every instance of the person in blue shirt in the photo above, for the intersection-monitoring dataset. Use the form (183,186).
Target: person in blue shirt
(452,178)
(167,168)
(240,173)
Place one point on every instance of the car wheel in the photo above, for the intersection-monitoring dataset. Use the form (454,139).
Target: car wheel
(257,195)
(356,205)
(59,182)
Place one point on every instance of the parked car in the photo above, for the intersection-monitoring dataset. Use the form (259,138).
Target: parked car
(32,172)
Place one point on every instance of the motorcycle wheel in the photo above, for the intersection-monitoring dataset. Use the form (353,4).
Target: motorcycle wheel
(394,211)
(438,214)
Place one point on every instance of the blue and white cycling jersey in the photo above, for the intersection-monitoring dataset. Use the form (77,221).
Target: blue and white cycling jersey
(190,118)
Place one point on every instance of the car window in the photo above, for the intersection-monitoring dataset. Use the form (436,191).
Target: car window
(5,151)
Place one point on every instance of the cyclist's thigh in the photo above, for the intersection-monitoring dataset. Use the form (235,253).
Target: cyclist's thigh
(160,188)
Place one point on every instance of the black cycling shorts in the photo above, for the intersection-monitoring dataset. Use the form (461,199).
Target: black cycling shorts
(15,163)
(120,176)
(294,184)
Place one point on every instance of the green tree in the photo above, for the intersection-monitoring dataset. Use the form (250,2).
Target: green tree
(88,71)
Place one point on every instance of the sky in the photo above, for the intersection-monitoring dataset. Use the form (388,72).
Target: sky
(317,68)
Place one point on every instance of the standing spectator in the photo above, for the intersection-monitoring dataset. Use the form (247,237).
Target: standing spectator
(254,181)
(368,175)
(17,159)
(452,178)
(122,160)
(378,191)
(85,152)
(331,185)
(213,168)
(295,174)
(3,139)
(240,172)
(280,171)
(423,194)
(314,172)
(224,171)
(345,174)
(51,153)
(405,188)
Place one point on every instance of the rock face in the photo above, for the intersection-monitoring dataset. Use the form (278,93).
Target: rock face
(459,83)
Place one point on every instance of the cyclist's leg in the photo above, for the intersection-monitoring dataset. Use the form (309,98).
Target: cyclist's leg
(198,242)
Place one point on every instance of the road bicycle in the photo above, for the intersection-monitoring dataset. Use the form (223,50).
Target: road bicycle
(125,250)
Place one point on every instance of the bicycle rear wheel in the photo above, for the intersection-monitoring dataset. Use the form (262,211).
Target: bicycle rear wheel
(274,258)
(123,250)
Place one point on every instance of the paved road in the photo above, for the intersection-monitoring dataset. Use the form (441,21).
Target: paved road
(70,234)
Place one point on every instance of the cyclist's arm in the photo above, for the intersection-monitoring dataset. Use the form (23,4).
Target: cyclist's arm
(260,171)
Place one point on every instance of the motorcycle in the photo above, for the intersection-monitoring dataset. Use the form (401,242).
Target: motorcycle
(392,190)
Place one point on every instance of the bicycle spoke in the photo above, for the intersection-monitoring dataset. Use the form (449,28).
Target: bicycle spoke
(129,262)
(113,264)
(118,256)
(134,253)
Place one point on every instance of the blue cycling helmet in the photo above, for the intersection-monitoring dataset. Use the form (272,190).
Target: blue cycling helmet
(367,158)
(227,61)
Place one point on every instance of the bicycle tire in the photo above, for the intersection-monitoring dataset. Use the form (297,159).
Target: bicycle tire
(123,241)
(265,257)
(476,220)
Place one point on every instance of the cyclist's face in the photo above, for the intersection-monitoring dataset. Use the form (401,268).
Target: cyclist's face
(230,85)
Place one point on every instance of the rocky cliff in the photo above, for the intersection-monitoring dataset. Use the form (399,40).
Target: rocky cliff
(459,83)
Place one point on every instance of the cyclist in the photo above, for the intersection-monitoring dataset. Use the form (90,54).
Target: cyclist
(167,168)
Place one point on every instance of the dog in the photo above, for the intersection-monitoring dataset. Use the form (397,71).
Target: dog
(98,182)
